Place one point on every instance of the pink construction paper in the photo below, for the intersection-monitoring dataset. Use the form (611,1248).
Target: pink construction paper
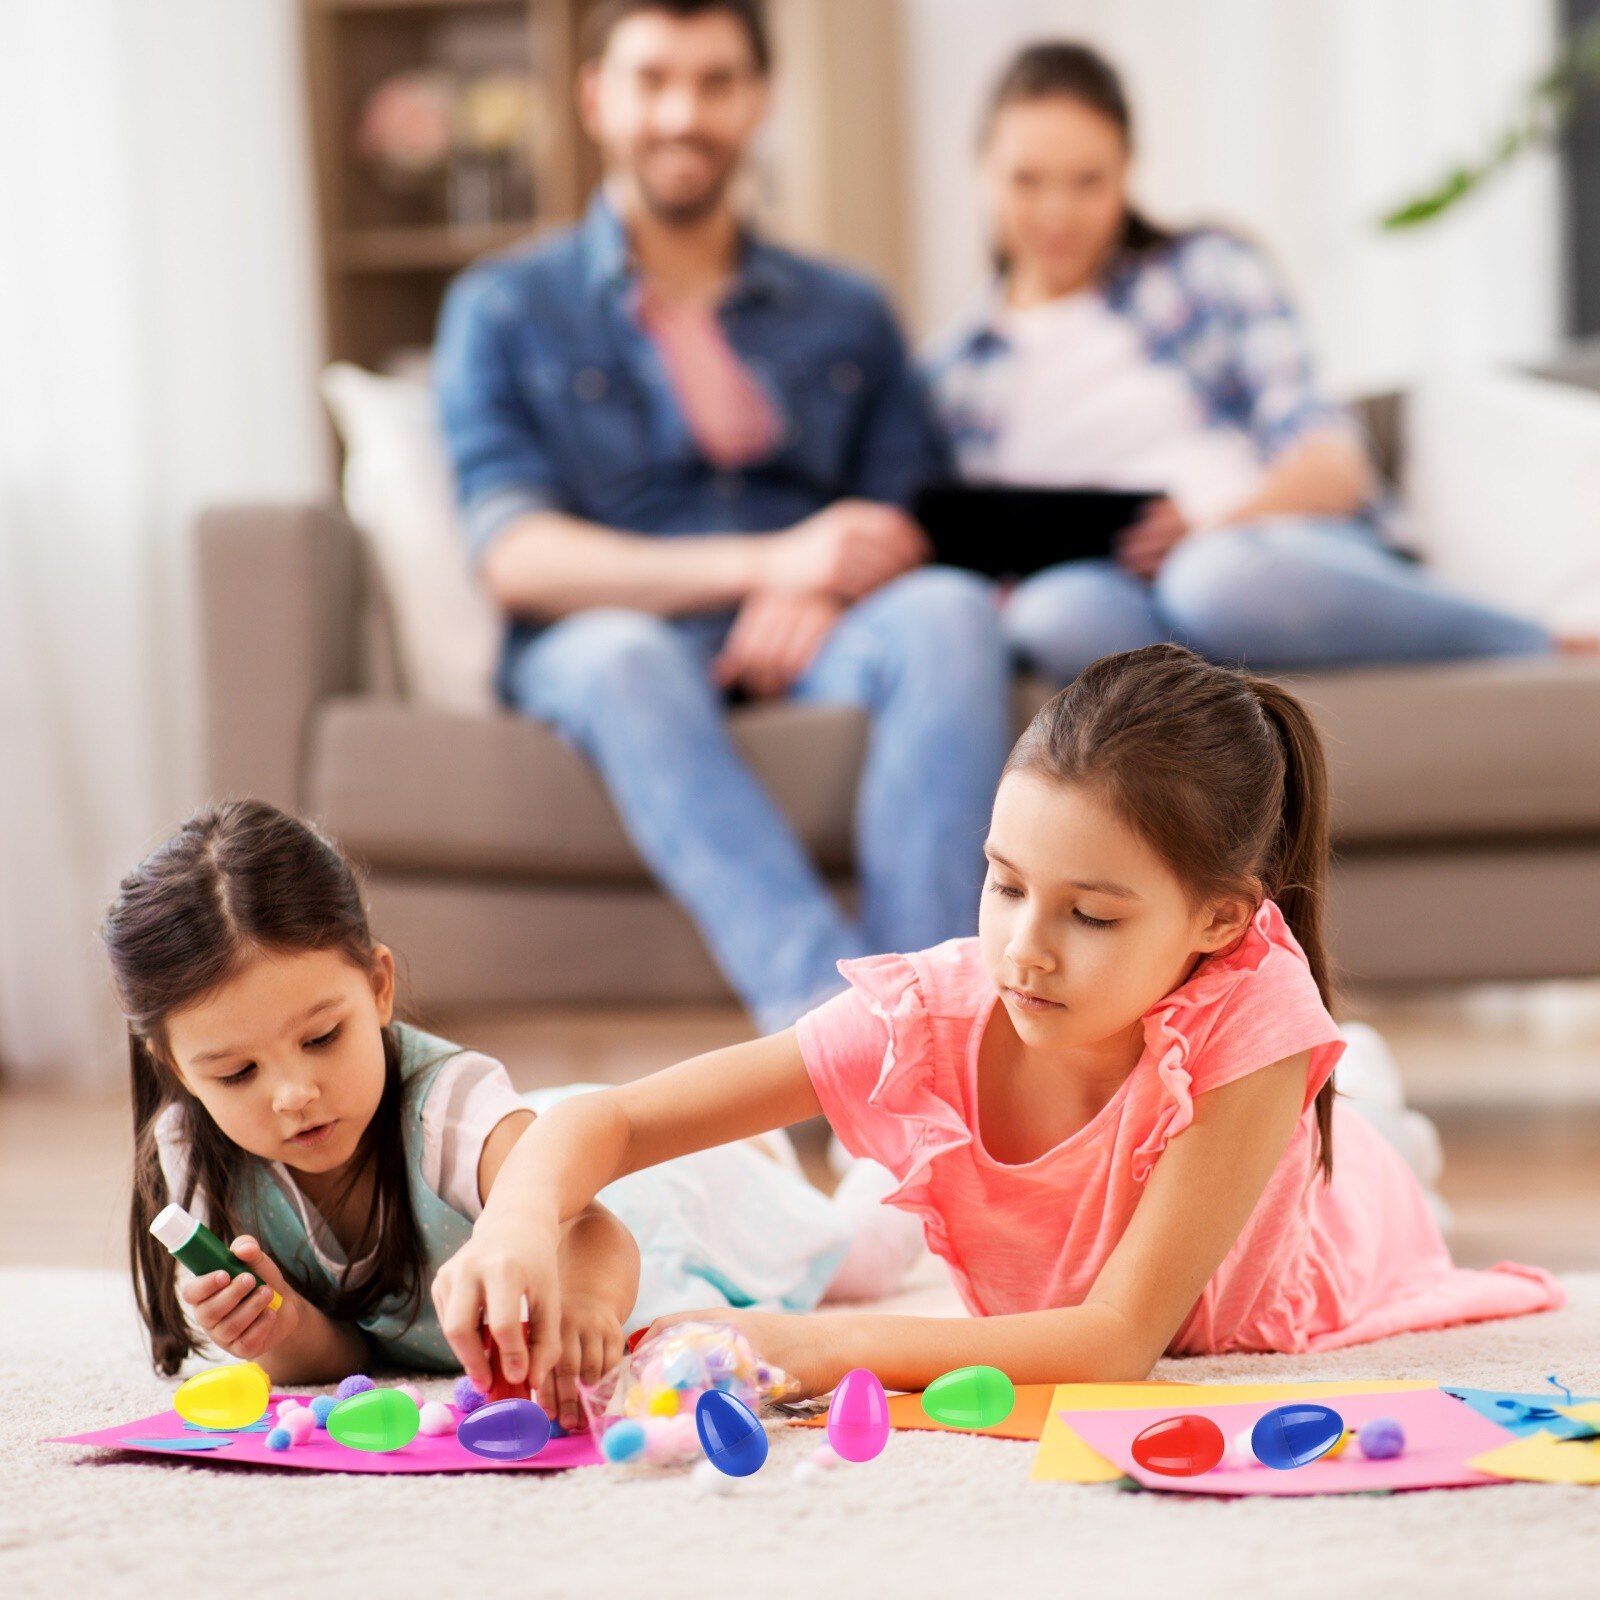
(1441,1434)
(322,1454)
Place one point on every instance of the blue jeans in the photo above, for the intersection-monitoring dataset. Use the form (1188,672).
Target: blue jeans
(1284,592)
(923,655)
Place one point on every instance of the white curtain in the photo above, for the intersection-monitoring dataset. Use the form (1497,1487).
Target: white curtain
(1301,123)
(158,348)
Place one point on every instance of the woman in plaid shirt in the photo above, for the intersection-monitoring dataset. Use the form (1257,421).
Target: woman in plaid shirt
(1113,353)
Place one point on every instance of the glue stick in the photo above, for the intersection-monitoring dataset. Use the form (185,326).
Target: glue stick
(199,1249)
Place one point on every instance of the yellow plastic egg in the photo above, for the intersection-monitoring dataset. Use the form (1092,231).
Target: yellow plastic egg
(224,1397)
(664,1403)
(1344,1439)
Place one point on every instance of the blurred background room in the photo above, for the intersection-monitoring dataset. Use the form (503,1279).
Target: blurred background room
(229,563)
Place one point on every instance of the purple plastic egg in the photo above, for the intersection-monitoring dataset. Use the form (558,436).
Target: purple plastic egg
(505,1430)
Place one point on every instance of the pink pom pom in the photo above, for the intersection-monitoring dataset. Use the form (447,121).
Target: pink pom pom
(411,1391)
(299,1424)
(660,1440)
(826,1457)
(285,1407)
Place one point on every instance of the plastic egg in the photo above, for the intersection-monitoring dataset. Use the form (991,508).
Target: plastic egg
(858,1416)
(436,1419)
(505,1430)
(1296,1434)
(375,1420)
(1381,1439)
(1337,1448)
(1179,1447)
(224,1397)
(730,1434)
(970,1397)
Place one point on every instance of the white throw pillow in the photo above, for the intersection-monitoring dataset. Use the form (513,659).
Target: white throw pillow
(397,491)
(1501,483)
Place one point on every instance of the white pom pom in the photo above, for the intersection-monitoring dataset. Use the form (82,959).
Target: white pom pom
(707,1480)
(1240,1453)
(807,1472)
(437,1419)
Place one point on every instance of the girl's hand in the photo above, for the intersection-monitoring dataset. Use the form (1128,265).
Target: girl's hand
(484,1284)
(591,1344)
(234,1313)
(813,1349)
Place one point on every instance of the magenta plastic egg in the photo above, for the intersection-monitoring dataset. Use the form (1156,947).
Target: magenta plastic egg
(505,1430)
(858,1417)
(1179,1447)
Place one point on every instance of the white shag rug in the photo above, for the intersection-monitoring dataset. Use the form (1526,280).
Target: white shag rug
(936,1515)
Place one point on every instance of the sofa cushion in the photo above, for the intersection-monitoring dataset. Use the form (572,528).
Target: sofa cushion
(418,788)
(1472,750)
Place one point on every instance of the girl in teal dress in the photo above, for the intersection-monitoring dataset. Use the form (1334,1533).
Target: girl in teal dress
(347,1154)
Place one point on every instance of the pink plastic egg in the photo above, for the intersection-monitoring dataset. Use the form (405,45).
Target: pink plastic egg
(1179,1447)
(858,1418)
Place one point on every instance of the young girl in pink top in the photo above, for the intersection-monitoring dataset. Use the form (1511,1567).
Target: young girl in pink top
(1113,1110)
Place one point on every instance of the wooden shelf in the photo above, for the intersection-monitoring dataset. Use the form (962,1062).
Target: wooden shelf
(425,249)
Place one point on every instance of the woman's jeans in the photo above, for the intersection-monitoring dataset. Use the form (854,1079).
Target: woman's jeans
(923,656)
(1282,592)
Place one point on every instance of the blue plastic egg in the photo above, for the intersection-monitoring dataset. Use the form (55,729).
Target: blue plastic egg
(505,1430)
(1295,1435)
(730,1434)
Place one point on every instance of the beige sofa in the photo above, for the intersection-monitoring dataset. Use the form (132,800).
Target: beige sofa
(1467,796)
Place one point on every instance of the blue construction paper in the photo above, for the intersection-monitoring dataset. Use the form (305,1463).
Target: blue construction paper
(212,1443)
(1526,1414)
(265,1425)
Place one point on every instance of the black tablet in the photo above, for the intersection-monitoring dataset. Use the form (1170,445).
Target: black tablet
(1007,531)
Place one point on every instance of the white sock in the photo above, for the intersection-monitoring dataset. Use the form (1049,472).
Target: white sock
(887,1239)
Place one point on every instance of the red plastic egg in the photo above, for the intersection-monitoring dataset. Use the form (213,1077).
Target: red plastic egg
(1180,1447)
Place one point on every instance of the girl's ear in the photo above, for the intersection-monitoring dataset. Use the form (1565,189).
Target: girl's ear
(1227,921)
(383,983)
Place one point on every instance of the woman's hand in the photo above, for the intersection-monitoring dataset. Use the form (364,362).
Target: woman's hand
(485,1284)
(813,1349)
(235,1313)
(1142,547)
(591,1345)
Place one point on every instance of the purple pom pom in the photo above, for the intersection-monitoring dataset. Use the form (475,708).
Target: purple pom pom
(279,1439)
(467,1398)
(356,1383)
(321,1407)
(1381,1439)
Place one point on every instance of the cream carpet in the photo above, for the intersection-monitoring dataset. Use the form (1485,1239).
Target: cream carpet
(936,1515)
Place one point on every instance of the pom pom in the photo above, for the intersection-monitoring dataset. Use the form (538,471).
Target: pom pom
(660,1441)
(707,1480)
(663,1403)
(437,1419)
(1240,1452)
(623,1441)
(356,1383)
(826,1458)
(468,1398)
(299,1424)
(320,1408)
(1381,1439)
(279,1439)
(411,1392)
(285,1407)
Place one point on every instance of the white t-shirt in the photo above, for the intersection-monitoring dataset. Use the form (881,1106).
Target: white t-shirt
(469,1097)
(1088,407)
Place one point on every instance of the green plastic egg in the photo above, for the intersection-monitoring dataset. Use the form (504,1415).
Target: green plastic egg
(376,1420)
(970,1397)
(224,1397)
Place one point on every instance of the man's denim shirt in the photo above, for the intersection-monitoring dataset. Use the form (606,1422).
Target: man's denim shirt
(553,399)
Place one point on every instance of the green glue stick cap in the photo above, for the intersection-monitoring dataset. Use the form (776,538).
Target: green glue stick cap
(198,1248)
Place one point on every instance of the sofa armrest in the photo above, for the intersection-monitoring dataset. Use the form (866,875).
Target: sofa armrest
(280,608)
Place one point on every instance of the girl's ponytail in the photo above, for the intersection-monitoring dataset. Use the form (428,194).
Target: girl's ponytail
(1296,871)
(155,1272)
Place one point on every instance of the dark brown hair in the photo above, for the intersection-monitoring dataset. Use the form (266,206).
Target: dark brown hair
(1057,68)
(1222,773)
(236,881)
(601,22)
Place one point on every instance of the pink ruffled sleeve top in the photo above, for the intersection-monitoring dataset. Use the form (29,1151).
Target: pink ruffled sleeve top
(1318,1266)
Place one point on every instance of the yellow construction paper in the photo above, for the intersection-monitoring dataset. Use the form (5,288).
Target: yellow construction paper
(1063,1457)
(1588,1412)
(1543,1458)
